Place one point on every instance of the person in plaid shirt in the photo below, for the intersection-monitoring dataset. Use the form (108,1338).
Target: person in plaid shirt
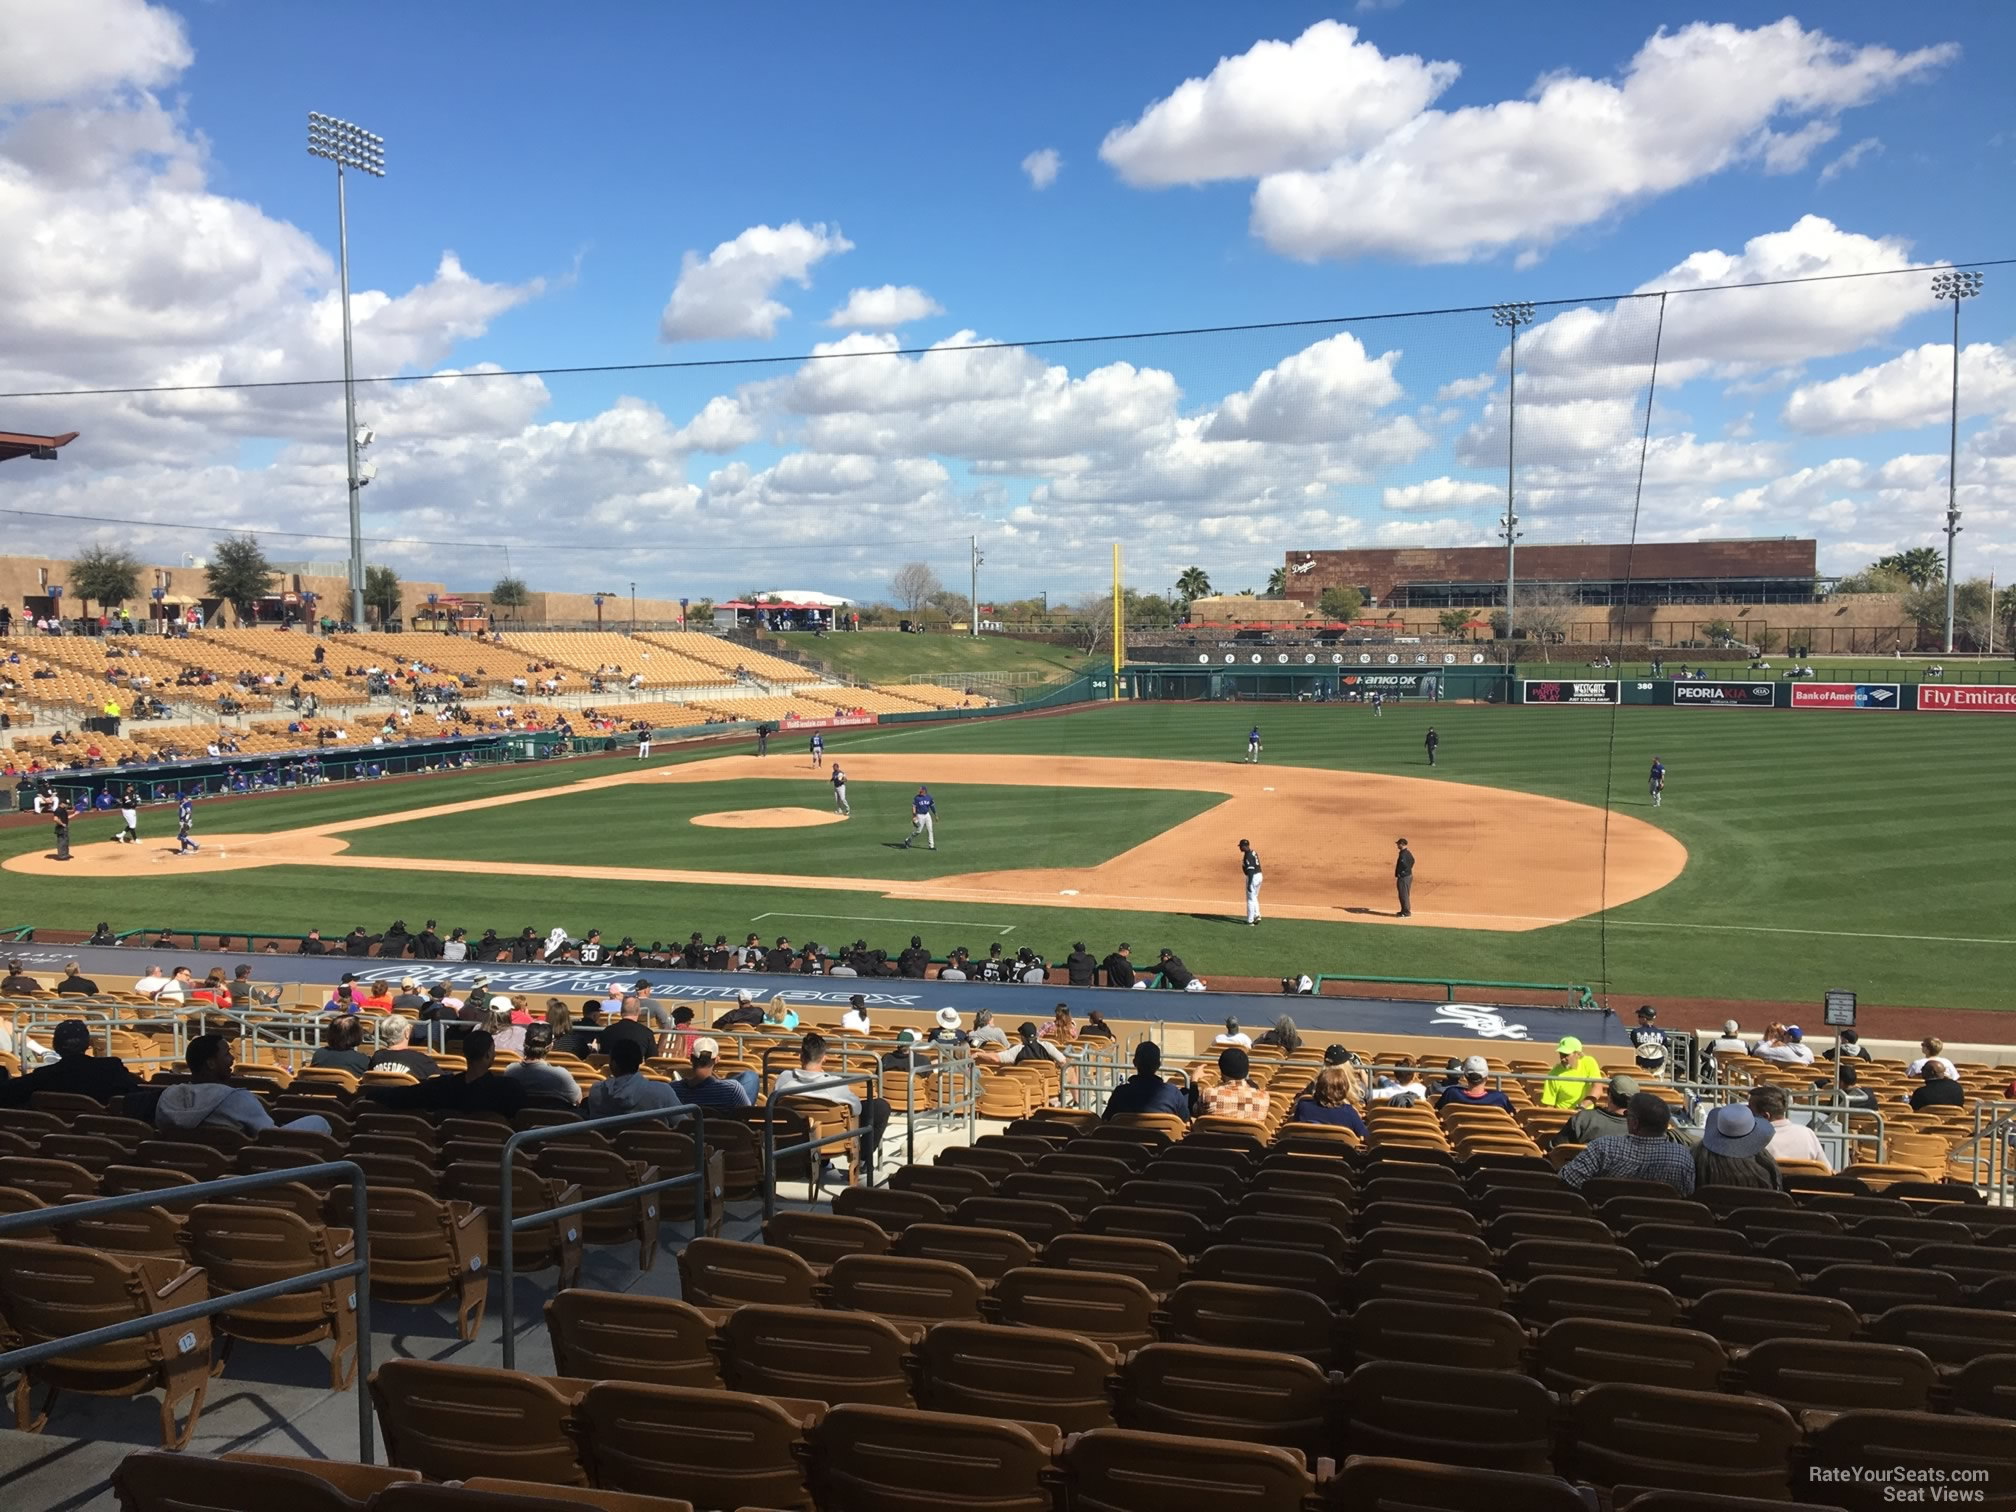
(1234,1096)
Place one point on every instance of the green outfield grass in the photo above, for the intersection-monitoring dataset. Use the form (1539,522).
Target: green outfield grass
(1870,851)
(889,656)
(995,827)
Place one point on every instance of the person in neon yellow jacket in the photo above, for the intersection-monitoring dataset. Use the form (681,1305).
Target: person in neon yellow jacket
(1572,1079)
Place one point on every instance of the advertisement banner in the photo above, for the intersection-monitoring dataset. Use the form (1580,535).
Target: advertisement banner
(1570,692)
(1967,700)
(827,722)
(1725,695)
(1846,696)
(1388,682)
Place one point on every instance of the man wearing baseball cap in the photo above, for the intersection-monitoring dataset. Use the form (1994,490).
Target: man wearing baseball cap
(1604,1119)
(1641,1153)
(77,1070)
(706,1086)
(1648,1041)
(1474,1089)
(1572,1079)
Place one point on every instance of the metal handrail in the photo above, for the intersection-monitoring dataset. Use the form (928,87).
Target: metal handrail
(114,1333)
(1584,998)
(510,1225)
(770,1150)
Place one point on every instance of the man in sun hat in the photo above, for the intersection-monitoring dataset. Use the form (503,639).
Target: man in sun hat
(1572,1079)
(947,1030)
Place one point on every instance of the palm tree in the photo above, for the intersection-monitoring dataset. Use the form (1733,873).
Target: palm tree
(1277,582)
(1920,566)
(1193,583)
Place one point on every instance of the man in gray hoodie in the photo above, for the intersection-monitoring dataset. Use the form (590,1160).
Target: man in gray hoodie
(208,1100)
(627,1089)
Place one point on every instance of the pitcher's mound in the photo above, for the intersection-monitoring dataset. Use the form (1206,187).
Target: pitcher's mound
(770,818)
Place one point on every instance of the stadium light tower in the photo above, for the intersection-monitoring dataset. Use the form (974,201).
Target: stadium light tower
(349,146)
(1511,316)
(1956,287)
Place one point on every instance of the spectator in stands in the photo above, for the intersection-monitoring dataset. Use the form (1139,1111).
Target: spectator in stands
(1473,1091)
(208,1100)
(1856,1096)
(1786,1046)
(629,1026)
(1642,1153)
(706,1087)
(1789,1141)
(1735,1150)
(871,1114)
(377,998)
(75,983)
(473,1090)
(1284,1035)
(506,1024)
(626,1089)
(1029,1046)
(1942,1087)
(1233,1035)
(1145,1091)
(456,946)
(1847,1047)
(76,1069)
(181,985)
(313,945)
(745,1014)
(427,944)
(986,1035)
(1120,966)
(1927,1048)
(396,1052)
(1235,1094)
(1601,1120)
(1572,1079)
(341,1038)
(539,1076)
(1096,1027)
(855,1020)
(1329,1102)
(1404,1088)
(579,1040)
(17,983)
(408,999)
(1062,1028)
(342,1000)
(152,984)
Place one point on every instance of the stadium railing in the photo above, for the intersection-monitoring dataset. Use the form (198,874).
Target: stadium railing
(1582,995)
(771,1149)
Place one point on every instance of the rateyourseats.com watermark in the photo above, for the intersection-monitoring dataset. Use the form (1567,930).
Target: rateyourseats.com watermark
(1910,1485)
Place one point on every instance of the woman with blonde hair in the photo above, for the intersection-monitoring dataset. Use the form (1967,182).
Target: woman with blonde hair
(1329,1101)
(1062,1027)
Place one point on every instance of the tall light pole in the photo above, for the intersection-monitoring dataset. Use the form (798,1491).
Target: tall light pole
(1956,287)
(633,608)
(1511,316)
(974,586)
(349,146)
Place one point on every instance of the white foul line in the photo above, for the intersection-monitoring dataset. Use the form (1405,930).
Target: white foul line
(885,919)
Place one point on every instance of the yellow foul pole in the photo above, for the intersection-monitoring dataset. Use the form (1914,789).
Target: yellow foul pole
(1119,621)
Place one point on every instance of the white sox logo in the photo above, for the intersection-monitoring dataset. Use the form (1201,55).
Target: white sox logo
(1486,1023)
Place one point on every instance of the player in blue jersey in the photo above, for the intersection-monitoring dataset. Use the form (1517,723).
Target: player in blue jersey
(818,748)
(1656,783)
(923,809)
(1253,744)
(185,820)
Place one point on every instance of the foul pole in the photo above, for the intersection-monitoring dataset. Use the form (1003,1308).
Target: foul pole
(1119,621)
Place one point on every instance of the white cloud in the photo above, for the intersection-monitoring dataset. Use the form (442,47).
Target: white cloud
(1467,388)
(1442,493)
(883,307)
(1850,159)
(1352,163)
(1042,166)
(1444,533)
(83,47)
(1279,105)
(730,294)
(1320,393)
(1910,390)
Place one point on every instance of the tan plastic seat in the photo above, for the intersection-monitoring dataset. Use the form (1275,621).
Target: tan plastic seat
(155,1232)
(1279,1319)
(1125,1470)
(1037,1222)
(157,1481)
(482,1493)
(1862,1451)
(1097,1305)
(423,1250)
(52,1291)
(1240,1394)
(1183,1232)
(989,1253)
(397,1172)
(553,1245)
(197,1161)
(890,1211)
(93,1152)
(619,1336)
(1985,1387)
(1412,1279)
(453,1421)
(1286,1233)
(1579,1352)
(1370,1483)
(1077,1160)
(243,1247)
(1156,1265)
(1450,1415)
(1030,1375)
(1479,1338)
(1624,1435)
(1875,1289)
(948,1184)
(49,1180)
(882,1459)
(1838,1375)
(911,1293)
(602,1173)
(1077,1195)
(1307,1271)
(722,1273)
(1742,1319)
(821,1238)
(720,1448)
(1528,1260)
(1949,1336)
(815,1355)
(1687,1274)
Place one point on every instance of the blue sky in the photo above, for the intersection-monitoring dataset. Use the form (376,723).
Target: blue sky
(1343,160)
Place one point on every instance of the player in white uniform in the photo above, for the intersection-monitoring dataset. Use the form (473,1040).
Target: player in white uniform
(129,815)
(923,811)
(840,792)
(1249,863)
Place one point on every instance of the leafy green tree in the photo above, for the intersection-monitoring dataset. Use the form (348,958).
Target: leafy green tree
(239,574)
(510,594)
(1453,621)
(381,593)
(104,576)
(700,611)
(1340,603)
(1921,566)
(1872,579)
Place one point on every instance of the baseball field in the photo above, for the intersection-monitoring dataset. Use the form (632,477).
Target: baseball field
(1794,851)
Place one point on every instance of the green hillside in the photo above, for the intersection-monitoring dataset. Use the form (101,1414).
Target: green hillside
(891,656)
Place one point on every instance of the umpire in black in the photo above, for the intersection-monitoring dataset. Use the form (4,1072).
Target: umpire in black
(61,818)
(1403,878)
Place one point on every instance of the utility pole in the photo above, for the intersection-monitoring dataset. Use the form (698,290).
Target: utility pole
(973,617)
(1511,316)
(1956,287)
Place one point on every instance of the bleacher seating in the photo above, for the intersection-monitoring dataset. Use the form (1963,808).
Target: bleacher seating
(591,652)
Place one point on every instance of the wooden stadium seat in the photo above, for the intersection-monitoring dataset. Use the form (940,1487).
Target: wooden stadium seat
(1478,1338)
(453,1421)
(1258,1265)
(1448,1415)
(1186,1233)
(1626,1435)
(52,1291)
(552,1245)
(815,1355)
(821,1238)
(948,1184)
(157,1481)
(891,1211)
(1860,1451)
(719,1448)
(1229,1315)
(1742,1319)
(723,1273)
(1550,1297)
(619,1336)
(912,1293)
(1156,1265)
(1413,1280)
(1030,1375)
(987,1253)
(1687,1274)
(1950,1336)
(1836,1375)
(1098,1305)
(879,1459)
(1124,1470)
(1371,1483)
(1239,1394)
(1579,1352)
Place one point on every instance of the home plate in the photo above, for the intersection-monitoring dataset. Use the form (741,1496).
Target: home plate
(1266,790)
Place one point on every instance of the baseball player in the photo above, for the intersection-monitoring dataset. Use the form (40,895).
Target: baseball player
(60,820)
(839,781)
(1253,745)
(185,820)
(923,808)
(1378,705)
(129,815)
(1403,878)
(1657,781)
(644,746)
(1431,741)
(818,749)
(1249,863)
